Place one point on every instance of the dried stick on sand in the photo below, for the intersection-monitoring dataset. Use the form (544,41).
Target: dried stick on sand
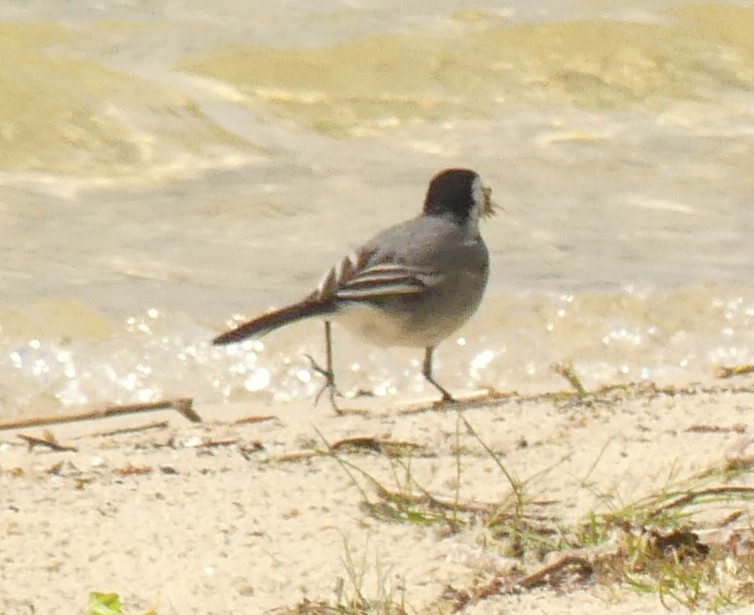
(184,406)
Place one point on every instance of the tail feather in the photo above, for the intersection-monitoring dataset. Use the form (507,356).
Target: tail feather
(272,320)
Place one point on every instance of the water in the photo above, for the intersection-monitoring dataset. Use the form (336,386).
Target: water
(167,166)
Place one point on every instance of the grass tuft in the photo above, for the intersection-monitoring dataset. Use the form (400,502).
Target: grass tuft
(664,543)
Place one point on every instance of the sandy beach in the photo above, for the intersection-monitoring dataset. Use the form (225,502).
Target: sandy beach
(279,510)
(171,168)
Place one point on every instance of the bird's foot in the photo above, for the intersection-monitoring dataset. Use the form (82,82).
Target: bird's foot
(446,398)
(328,386)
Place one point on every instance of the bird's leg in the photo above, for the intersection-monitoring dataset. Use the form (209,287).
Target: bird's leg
(328,371)
(427,371)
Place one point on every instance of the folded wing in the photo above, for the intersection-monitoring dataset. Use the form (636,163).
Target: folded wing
(354,279)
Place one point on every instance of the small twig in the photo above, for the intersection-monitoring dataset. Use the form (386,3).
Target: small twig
(701,428)
(358,442)
(131,470)
(543,575)
(254,419)
(48,440)
(479,398)
(384,446)
(217,443)
(247,450)
(138,428)
(297,456)
(736,370)
(184,406)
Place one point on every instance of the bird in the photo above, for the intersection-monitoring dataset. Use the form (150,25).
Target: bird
(411,285)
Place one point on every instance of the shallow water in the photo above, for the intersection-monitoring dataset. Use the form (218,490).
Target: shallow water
(163,171)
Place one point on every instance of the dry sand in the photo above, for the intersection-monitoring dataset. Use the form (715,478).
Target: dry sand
(222,517)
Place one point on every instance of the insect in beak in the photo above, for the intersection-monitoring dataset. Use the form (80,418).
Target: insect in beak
(489,207)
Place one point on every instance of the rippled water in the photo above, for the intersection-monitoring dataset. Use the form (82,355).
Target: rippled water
(164,170)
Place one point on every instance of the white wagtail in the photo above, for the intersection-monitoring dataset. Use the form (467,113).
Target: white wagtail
(411,285)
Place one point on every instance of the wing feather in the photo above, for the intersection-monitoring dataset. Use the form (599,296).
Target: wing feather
(354,279)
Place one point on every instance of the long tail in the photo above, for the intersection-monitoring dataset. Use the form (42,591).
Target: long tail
(273,320)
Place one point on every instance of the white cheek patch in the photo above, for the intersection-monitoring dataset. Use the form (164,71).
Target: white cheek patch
(483,205)
(479,197)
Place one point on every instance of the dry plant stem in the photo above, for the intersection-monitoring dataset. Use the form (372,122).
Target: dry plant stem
(358,442)
(184,406)
(689,497)
(50,443)
(737,370)
(138,428)
(515,484)
(254,419)
(218,443)
(541,576)
(569,374)
(295,456)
